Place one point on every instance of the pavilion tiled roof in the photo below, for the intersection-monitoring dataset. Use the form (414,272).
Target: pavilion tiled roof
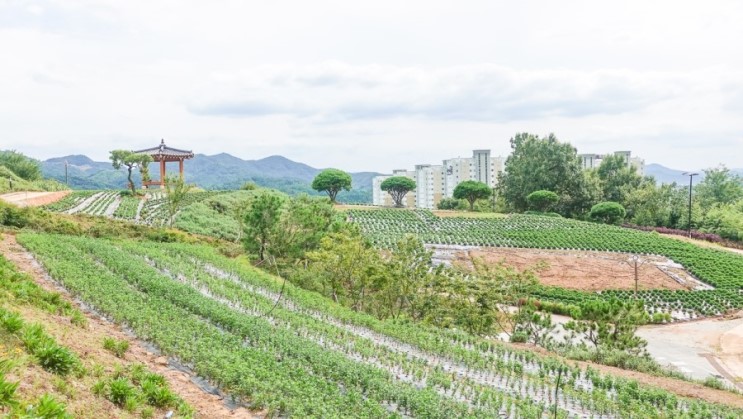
(163,151)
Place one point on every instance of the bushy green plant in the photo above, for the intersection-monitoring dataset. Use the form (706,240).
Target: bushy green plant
(119,391)
(7,392)
(608,212)
(12,322)
(117,347)
(56,359)
(542,200)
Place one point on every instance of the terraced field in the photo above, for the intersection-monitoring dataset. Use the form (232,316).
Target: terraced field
(149,210)
(723,271)
(277,347)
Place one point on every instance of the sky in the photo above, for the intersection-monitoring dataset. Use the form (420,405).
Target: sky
(373,85)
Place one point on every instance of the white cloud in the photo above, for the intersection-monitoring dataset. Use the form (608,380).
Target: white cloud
(338,92)
(373,85)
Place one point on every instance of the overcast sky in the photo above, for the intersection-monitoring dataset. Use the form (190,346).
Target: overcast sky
(373,85)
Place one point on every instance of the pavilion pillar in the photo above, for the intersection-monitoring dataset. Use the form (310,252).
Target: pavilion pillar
(180,167)
(162,172)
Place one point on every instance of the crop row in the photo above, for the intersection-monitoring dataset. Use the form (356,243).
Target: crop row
(70,201)
(284,348)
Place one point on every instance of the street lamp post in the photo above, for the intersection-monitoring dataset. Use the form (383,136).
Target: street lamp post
(691,176)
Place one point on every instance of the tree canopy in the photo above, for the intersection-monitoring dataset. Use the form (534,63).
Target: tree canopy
(617,178)
(545,164)
(398,187)
(23,166)
(130,160)
(332,181)
(719,187)
(472,190)
(542,200)
(608,212)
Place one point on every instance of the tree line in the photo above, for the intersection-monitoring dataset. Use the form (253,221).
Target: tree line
(547,164)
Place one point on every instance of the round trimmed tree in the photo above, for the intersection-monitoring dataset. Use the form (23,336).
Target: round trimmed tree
(542,201)
(472,190)
(332,181)
(398,187)
(608,212)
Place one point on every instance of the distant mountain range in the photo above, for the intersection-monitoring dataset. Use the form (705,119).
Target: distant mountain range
(663,174)
(220,171)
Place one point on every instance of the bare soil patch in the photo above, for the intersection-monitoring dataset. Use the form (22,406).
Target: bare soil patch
(33,199)
(87,343)
(587,271)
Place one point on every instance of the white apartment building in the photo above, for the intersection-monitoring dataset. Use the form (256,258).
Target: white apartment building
(436,182)
(429,185)
(592,161)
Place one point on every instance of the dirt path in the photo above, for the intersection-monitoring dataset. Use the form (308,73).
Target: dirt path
(703,243)
(33,199)
(87,343)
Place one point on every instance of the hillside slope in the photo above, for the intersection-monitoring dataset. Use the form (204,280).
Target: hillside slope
(220,171)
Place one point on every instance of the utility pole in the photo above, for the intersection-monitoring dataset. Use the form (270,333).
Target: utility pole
(66,178)
(691,176)
(636,262)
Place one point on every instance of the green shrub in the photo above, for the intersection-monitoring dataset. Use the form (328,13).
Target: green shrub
(519,337)
(119,391)
(608,212)
(714,382)
(48,408)
(156,394)
(78,319)
(33,337)
(12,322)
(56,359)
(12,216)
(542,200)
(7,392)
(117,347)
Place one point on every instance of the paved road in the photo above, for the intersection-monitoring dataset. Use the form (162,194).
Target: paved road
(711,347)
(33,199)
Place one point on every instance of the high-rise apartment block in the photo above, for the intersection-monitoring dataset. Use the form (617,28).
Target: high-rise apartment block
(436,182)
(592,161)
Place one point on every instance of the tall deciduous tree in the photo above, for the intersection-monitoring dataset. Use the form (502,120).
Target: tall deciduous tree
(345,262)
(617,178)
(304,221)
(332,181)
(719,187)
(472,190)
(545,163)
(176,190)
(398,187)
(131,161)
(261,222)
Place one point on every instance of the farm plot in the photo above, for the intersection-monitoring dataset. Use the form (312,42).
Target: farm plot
(150,210)
(720,269)
(70,201)
(587,271)
(225,320)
